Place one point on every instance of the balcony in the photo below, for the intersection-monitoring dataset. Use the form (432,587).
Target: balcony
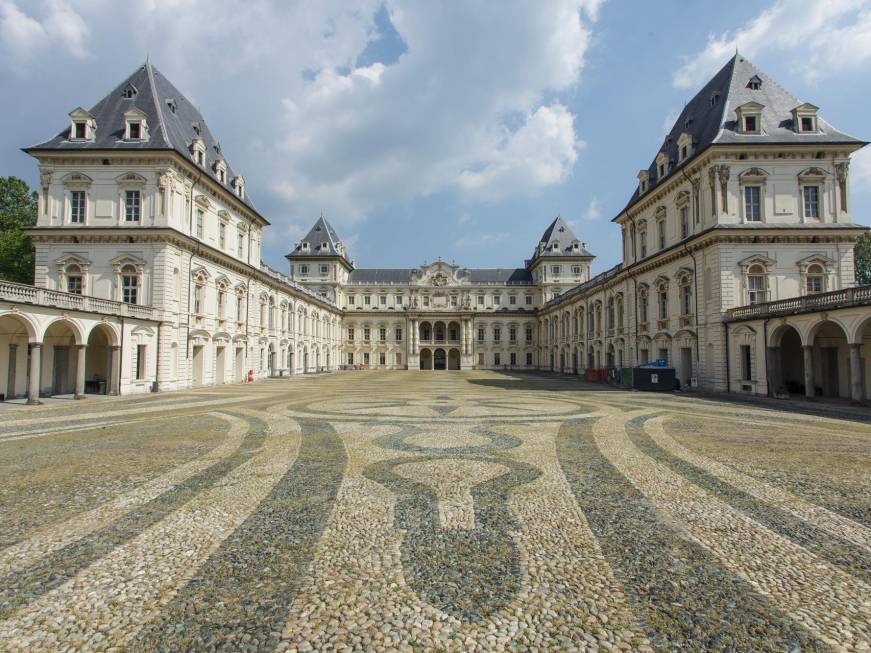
(24,294)
(846,298)
(687,321)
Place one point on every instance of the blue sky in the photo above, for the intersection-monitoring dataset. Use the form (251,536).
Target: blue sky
(432,129)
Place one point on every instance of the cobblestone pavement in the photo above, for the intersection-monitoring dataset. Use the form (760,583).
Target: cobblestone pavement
(456,511)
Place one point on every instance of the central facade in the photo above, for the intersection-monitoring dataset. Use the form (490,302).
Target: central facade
(440,316)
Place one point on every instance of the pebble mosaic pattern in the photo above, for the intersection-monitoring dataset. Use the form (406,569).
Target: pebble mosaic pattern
(462,511)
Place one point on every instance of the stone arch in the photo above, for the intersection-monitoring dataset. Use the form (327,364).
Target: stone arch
(75,327)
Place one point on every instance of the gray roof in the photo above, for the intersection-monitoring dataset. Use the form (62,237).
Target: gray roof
(710,118)
(168,129)
(500,275)
(381,275)
(322,240)
(559,232)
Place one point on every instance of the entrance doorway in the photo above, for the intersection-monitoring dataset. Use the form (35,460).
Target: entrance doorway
(686,365)
(197,371)
(97,360)
(241,373)
(440,360)
(219,365)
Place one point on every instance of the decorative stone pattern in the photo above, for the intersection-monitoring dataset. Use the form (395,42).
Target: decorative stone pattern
(448,512)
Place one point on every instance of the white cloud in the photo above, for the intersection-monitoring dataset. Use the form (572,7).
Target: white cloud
(23,36)
(830,36)
(594,210)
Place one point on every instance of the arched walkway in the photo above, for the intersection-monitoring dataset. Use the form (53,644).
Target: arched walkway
(62,360)
(830,360)
(439,359)
(786,362)
(99,359)
(16,334)
(425,359)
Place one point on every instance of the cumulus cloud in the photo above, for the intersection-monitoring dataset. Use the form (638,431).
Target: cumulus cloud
(594,210)
(860,171)
(23,36)
(832,35)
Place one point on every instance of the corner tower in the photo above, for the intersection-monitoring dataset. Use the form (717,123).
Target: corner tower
(560,261)
(320,261)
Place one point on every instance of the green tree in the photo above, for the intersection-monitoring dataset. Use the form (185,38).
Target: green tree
(17,211)
(862,259)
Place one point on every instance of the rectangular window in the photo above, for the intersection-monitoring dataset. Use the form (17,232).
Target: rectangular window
(750,124)
(686,300)
(366,333)
(74,284)
(811,201)
(513,358)
(426,300)
(497,299)
(752,203)
(366,358)
(512,299)
(555,270)
(352,299)
(222,235)
(512,334)
(198,299)
(746,363)
(643,237)
(367,300)
(480,335)
(480,300)
(140,361)
(303,269)
(77,207)
(497,334)
(350,333)
(497,359)
(382,299)
(135,131)
(529,358)
(576,270)
(661,227)
(684,222)
(382,358)
(807,124)
(399,300)
(129,288)
(382,334)
(528,335)
(397,335)
(529,300)
(350,358)
(81,131)
(240,243)
(645,356)
(200,220)
(757,290)
(239,307)
(132,207)
(814,283)
(453,300)
(663,305)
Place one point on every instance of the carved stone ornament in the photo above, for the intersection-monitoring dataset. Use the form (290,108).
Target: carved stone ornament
(439,279)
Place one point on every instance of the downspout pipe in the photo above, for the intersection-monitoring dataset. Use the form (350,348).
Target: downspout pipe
(728,362)
(187,347)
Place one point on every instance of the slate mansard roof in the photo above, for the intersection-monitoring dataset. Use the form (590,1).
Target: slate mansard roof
(322,233)
(561,233)
(173,123)
(710,118)
(507,276)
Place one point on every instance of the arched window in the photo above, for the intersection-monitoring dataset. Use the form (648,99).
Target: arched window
(129,285)
(611,314)
(222,299)
(686,295)
(757,284)
(662,300)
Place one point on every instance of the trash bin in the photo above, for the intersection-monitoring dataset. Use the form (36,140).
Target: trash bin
(653,377)
(101,387)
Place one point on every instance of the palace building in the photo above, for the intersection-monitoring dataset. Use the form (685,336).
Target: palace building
(737,266)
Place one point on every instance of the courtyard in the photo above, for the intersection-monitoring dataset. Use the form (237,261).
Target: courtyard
(455,511)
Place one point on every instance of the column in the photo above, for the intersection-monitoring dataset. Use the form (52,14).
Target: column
(415,337)
(115,370)
(856,372)
(808,371)
(34,373)
(463,337)
(81,350)
(775,374)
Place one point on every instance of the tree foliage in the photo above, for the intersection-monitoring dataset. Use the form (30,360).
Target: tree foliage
(17,211)
(862,259)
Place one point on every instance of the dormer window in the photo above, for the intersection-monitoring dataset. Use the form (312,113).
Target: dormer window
(171,104)
(325,245)
(642,181)
(755,83)
(135,125)
(239,186)
(83,127)
(221,170)
(684,146)
(198,151)
(715,97)
(661,165)
(804,118)
(750,118)
(305,245)
(555,247)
